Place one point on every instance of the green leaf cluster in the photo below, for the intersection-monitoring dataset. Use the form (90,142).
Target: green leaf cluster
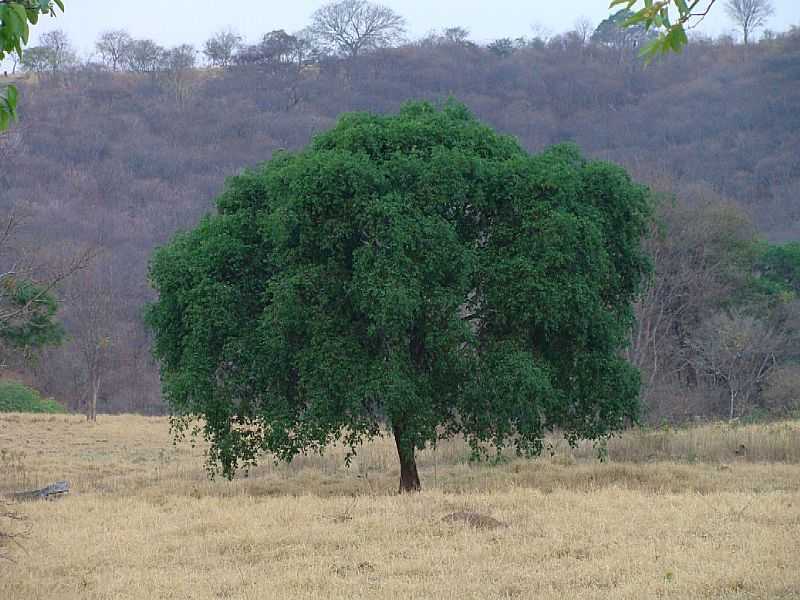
(780,263)
(417,271)
(774,277)
(669,17)
(15,17)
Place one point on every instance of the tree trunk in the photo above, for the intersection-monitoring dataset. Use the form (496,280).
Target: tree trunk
(409,478)
(92,416)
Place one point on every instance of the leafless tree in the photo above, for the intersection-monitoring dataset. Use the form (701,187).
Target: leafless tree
(583,29)
(177,70)
(458,36)
(93,305)
(13,58)
(541,32)
(749,15)
(220,48)
(60,49)
(737,351)
(306,49)
(113,47)
(352,26)
(693,251)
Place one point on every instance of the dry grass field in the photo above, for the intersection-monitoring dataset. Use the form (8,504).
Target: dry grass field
(705,512)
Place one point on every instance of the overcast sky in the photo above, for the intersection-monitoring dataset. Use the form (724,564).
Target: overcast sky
(172,22)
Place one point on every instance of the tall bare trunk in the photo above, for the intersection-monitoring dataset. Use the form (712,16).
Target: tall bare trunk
(92,416)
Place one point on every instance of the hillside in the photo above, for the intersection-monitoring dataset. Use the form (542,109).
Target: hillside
(122,161)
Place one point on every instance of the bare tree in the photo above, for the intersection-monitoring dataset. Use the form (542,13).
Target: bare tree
(219,49)
(695,254)
(583,29)
(352,26)
(749,15)
(53,54)
(93,302)
(61,52)
(737,351)
(306,48)
(541,32)
(113,47)
(458,36)
(177,70)
(13,58)
(449,36)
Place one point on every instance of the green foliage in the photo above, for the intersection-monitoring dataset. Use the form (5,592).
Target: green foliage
(780,265)
(669,17)
(28,316)
(15,397)
(15,17)
(417,270)
(770,277)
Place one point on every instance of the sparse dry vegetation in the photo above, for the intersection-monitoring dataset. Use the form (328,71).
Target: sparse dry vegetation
(136,156)
(673,514)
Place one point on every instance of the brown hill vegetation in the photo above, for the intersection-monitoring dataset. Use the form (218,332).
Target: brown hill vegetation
(123,160)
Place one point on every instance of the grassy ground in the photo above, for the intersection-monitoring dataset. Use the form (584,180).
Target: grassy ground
(707,512)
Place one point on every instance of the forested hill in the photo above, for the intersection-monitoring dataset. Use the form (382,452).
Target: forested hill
(123,160)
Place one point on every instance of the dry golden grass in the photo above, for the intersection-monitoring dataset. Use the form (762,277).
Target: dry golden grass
(673,514)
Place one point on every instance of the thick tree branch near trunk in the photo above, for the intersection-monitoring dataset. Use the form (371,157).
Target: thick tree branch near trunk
(409,478)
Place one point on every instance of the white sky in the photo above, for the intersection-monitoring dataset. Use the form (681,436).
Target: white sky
(172,22)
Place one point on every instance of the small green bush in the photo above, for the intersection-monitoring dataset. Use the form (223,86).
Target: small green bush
(15,397)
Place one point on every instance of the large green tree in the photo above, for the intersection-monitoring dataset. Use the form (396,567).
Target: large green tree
(415,271)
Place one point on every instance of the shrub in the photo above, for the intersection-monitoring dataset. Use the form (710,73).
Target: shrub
(15,397)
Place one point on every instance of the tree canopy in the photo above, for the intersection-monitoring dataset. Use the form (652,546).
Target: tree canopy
(415,270)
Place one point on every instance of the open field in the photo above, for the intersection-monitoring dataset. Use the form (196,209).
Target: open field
(706,512)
